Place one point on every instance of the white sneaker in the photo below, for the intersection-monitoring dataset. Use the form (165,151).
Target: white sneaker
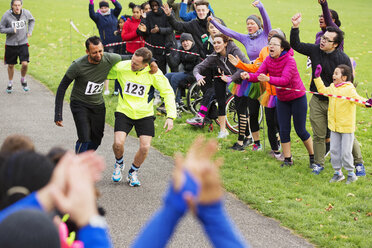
(132,179)
(107,92)
(222,134)
(116,175)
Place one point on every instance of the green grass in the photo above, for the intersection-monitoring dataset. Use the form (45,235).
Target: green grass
(293,196)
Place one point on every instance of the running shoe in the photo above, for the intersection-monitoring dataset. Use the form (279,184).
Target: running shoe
(116,93)
(24,85)
(197,120)
(360,171)
(222,134)
(106,92)
(317,169)
(247,141)
(116,176)
(132,179)
(256,147)
(286,163)
(279,157)
(351,178)
(337,178)
(237,147)
(9,88)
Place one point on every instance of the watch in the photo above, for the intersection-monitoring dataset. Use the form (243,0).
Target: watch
(98,221)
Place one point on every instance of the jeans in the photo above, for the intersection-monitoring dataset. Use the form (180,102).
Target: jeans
(176,79)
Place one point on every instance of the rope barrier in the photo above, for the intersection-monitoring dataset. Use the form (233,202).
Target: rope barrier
(323,94)
(150,45)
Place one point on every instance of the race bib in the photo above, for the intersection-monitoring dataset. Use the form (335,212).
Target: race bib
(135,89)
(93,88)
(19,24)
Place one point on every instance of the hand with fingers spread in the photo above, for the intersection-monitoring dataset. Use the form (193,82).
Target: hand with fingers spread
(234,60)
(167,10)
(201,81)
(142,27)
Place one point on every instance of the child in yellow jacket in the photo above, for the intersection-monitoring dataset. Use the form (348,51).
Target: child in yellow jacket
(341,119)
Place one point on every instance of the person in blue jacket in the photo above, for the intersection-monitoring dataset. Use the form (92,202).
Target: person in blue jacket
(196,185)
(188,12)
(106,20)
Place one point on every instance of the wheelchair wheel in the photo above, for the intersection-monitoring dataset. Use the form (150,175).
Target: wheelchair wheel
(194,98)
(232,116)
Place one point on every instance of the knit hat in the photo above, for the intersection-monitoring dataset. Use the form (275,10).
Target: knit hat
(29,228)
(186,36)
(255,19)
(279,32)
(103,4)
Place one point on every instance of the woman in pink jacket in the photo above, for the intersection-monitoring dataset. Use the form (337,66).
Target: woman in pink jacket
(283,72)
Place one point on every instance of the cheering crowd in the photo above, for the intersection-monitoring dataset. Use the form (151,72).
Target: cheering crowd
(155,55)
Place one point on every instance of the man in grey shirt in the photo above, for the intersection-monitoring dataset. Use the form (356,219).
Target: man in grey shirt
(17,24)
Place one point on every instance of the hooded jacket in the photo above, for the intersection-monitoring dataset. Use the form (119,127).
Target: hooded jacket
(197,28)
(129,33)
(283,72)
(217,60)
(25,25)
(106,24)
(165,34)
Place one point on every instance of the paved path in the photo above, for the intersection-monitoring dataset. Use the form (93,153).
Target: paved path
(127,208)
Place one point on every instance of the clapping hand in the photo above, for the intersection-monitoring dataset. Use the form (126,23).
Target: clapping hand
(155,29)
(142,27)
(244,75)
(263,78)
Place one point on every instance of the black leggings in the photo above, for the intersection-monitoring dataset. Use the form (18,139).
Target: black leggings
(272,127)
(241,104)
(220,93)
(254,110)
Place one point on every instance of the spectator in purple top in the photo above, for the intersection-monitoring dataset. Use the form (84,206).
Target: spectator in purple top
(258,32)
(329,17)
(253,42)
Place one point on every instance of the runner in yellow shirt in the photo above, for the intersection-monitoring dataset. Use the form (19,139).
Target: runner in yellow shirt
(135,109)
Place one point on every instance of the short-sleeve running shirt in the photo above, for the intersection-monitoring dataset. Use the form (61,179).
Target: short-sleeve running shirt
(89,78)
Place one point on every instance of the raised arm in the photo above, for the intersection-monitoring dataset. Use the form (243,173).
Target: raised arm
(117,9)
(92,14)
(265,17)
(296,44)
(183,12)
(226,31)
(327,14)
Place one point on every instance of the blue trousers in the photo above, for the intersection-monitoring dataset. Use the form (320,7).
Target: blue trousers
(177,79)
(298,109)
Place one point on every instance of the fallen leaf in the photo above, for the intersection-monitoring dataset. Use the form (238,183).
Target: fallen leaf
(298,199)
(369,214)
(355,218)
(353,213)
(350,194)
(343,237)
(329,208)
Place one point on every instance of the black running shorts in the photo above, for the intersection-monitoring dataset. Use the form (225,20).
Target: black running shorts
(144,126)
(13,52)
(89,120)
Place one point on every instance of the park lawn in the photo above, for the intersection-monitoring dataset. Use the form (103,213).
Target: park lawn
(329,215)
